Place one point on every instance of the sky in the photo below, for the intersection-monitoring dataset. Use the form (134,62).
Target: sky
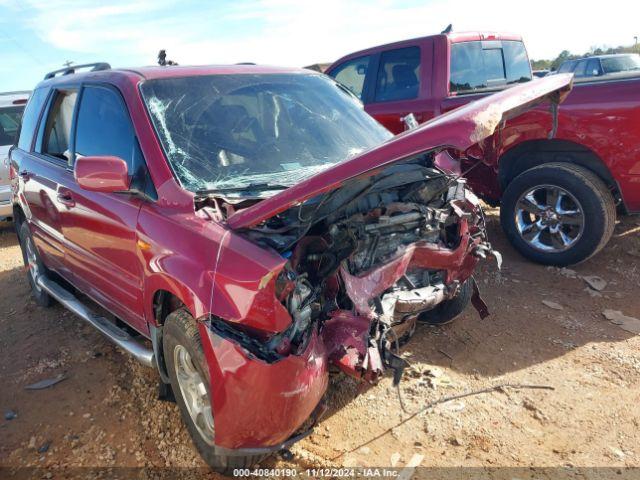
(37,36)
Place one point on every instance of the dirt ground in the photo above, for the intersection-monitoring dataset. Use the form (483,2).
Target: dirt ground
(106,413)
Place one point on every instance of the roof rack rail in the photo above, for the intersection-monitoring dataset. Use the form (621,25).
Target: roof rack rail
(71,69)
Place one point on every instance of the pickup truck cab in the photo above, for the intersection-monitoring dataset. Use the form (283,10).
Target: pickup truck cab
(250,227)
(558,174)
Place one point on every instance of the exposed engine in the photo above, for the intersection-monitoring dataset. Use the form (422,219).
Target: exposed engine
(378,251)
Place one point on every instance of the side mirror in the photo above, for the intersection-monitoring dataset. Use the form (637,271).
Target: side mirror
(101,174)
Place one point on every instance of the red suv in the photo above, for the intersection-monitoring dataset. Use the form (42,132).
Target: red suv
(249,227)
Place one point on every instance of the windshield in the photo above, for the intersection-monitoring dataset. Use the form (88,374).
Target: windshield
(256,132)
(620,64)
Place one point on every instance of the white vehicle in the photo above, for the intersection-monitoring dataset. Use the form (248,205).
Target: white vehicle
(11,108)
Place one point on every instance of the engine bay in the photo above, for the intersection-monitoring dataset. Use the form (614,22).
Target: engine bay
(382,251)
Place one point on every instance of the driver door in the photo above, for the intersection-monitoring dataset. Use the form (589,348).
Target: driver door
(102,250)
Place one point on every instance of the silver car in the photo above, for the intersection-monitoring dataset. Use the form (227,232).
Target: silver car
(11,108)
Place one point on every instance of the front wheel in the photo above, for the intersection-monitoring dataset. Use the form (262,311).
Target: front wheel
(558,214)
(190,383)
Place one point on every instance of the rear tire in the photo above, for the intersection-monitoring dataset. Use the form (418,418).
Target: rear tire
(447,311)
(33,264)
(583,235)
(182,345)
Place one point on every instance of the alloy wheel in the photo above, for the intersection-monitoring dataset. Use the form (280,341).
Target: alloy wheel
(194,393)
(549,218)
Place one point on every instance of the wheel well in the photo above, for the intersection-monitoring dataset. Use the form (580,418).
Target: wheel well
(536,152)
(164,303)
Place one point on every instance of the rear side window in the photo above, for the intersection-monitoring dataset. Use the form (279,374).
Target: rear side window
(488,64)
(593,68)
(398,75)
(352,74)
(30,118)
(9,124)
(104,126)
(57,133)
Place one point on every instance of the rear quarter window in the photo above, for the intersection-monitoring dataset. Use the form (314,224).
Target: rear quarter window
(30,118)
(487,64)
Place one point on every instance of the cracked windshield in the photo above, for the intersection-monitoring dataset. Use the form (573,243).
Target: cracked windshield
(256,133)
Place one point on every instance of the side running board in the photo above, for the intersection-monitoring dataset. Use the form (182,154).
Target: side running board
(118,336)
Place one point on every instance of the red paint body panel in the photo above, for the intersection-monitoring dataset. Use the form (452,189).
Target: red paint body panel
(256,403)
(602,116)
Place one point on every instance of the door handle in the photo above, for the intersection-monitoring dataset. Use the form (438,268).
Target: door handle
(66,199)
(24,174)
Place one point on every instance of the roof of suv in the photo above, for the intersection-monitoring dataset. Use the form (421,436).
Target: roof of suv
(174,71)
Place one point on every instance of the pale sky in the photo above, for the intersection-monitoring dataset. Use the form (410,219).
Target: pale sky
(37,36)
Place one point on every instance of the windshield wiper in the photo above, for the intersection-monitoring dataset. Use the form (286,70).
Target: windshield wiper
(251,187)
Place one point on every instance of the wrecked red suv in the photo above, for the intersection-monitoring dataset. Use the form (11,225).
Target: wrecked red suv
(248,228)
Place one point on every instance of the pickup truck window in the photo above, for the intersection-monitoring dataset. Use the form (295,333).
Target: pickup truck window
(593,68)
(352,73)
(57,133)
(567,67)
(398,75)
(487,64)
(256,132)
(104,126)
(30,118)
(581,69)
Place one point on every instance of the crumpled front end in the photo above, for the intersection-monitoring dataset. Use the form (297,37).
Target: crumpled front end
(345,277)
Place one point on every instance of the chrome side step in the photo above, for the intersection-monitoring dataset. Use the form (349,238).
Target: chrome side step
(112,332)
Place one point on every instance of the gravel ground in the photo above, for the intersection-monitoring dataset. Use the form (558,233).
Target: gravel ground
(546,328)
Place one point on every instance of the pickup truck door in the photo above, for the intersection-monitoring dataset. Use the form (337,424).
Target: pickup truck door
(398,83)
(102,250)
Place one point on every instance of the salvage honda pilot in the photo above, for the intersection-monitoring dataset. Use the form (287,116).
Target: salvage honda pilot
(249,229)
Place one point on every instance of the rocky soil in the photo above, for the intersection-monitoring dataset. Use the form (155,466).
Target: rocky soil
(547,328)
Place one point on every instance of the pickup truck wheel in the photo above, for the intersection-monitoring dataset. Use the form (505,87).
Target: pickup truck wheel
(558,214)
(448,310)
(34,266)
(190,383)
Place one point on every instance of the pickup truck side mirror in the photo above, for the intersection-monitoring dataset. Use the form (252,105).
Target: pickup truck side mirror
(101,174)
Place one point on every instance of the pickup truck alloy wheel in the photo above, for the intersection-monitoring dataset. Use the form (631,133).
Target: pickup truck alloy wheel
(549,218)
(558,213)
(194,393)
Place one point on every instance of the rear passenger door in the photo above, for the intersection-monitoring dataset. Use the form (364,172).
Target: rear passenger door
(44,170)
(102,252)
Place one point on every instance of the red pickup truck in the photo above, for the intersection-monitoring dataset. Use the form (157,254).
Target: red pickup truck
(558,175)
(250,227)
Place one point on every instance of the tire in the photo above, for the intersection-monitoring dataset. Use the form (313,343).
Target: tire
(34,266)
(589,201)
(448,310)
(180,333)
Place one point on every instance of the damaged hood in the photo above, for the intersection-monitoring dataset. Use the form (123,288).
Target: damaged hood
(459,129)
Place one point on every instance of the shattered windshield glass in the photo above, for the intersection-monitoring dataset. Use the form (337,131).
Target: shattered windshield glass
(250,132)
